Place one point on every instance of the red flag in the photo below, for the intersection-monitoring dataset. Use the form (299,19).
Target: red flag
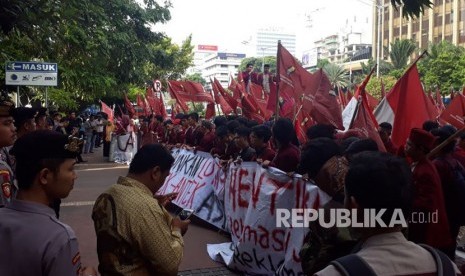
(161,106)
(342,99)
(349,95)
(237,90)
(189,91)
(172,88)
(129,106)
(141,104)
(454,113)
(372,101)
(222,98)
(364,123)
(107,110)
(261,100)
(313,90)
(406,106)
(210,112)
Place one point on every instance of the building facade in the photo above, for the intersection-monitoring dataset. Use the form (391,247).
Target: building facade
(267,42)
(444,21)
(220,65)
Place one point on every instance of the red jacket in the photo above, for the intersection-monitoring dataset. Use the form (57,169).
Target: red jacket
(428,197)
(287,158)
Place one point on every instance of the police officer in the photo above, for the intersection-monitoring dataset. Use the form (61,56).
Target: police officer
(7,138)
(34,241)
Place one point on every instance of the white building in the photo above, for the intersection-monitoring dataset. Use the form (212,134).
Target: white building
(200,52)
(266,41)
(220,65)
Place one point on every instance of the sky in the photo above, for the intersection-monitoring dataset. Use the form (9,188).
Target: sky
(229,23)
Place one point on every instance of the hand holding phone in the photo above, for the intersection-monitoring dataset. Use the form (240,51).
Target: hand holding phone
(185,214)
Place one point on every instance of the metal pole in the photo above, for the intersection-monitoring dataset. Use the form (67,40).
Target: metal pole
(378,6)
(17,96)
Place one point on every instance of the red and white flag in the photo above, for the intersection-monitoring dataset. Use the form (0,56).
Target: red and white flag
(406,106)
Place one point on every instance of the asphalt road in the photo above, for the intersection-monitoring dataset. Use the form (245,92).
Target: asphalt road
(96,176)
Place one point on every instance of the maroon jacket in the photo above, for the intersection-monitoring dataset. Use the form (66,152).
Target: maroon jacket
(207,142)
(265,153)
(428,197)
(287,158)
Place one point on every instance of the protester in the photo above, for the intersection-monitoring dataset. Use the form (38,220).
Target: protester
(135,233)
(288,155)
(428,195)
(265,79)
(246,152)
(29,229)
(446,166)
(249,76)
(385,130)
(383,250)
(259,141)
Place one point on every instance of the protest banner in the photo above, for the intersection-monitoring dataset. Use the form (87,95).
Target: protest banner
(252,196)
(198,179)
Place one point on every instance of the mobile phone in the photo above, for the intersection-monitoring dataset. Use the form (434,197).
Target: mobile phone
(185,214)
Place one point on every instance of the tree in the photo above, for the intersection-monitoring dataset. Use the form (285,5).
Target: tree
(374,85)
(401,50)
(257,62)
(197,77)
(336,74)
(102,47)
(412,8)
(443,67)
(321,63)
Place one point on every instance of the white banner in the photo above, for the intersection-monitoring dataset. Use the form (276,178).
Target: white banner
(200,183)
(252,196)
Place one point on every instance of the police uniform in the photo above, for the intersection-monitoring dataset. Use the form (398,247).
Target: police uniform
(35,242)
(8,188)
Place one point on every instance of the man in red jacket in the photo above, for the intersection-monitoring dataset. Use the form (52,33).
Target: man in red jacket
(428,195)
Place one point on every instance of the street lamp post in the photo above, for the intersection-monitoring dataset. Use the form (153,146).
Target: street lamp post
(380,8)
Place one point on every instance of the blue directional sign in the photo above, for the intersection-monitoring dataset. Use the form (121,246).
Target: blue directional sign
(31,73)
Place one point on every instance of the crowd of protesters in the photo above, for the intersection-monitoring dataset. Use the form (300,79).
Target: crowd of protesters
(329,158)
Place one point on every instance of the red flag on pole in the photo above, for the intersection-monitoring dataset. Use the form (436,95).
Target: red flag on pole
(312,90)
(220,98)
(129,106)
(406,106)
(210,112)
(141,104)
(173,87)
(107,110)
(454,113)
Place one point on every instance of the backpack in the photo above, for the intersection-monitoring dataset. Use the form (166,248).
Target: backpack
(352,264)
(458,188)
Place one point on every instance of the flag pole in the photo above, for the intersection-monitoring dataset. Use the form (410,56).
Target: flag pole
(437,149)
(278,79)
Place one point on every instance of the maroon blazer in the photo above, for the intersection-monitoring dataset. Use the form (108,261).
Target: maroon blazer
(428,197)
(207,142)
(265,153)
(287,158)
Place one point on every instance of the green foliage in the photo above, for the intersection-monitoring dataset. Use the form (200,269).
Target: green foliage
(321,63)
(374,85)
(258,62)
(443,67)
(197,77)
(384,67)
(337,75)
(102,47)
(401,50)
(412,8)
